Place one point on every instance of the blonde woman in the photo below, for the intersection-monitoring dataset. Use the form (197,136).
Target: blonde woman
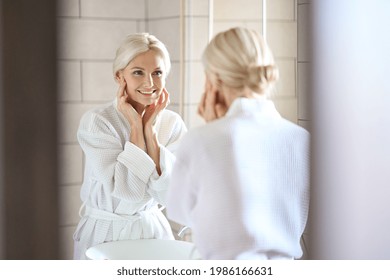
(243,178)
(129,147)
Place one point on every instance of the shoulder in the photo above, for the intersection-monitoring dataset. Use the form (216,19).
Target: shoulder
(294,129)
(202,136)
(171,116)
(98,117)
(171,120)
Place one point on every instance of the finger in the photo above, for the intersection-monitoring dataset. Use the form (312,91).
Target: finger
(161,99)
(202,104)
(165,91)
(220,110)
(211,97)
(162,102)
(166,97)
(121,89)
(208,86)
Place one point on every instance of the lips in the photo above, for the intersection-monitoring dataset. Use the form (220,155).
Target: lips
(147,92)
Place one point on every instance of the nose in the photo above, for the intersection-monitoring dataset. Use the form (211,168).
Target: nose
(148,81)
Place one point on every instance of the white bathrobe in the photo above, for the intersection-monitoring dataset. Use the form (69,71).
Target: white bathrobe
(242,184)
(122,190)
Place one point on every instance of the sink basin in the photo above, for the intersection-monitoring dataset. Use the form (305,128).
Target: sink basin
(144,249)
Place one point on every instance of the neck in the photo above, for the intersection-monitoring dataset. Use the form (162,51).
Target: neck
(140,108)
(232,94)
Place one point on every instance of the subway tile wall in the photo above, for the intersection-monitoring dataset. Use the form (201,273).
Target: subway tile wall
(281,36)
(89,31)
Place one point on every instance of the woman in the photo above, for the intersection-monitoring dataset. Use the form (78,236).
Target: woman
(128,146)
(243,178)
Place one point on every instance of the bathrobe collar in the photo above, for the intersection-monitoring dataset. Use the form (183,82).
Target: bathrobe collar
(244,105)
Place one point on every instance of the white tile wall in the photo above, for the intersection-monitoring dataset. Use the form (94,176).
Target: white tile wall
(197,7)
(282,38)
(98,81)
(142,26)
(303,33)
(285,87)
(173,83)
(158,9)
(281,9)
(196,77)
(129,9)
(303,60)
(287,107)
(255,25)
(303,91)
(237,10)
(70,164)
(91,39)
(69,119)
(69,81)
(220,25)
(196,37)
(168,31)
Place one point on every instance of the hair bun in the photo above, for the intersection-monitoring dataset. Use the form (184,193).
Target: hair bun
(261,77)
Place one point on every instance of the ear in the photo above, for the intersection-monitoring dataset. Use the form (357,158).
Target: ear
(118,76)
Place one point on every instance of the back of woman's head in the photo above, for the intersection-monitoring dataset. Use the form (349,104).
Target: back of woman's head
(240,58)
(136,44)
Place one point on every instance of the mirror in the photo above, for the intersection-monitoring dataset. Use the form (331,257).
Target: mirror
(89,33)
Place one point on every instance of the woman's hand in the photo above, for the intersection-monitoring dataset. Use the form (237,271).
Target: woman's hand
(125,107)
(149,119)
(210,107)
(152,111)
(132,116)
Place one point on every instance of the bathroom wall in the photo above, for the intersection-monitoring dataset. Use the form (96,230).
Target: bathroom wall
(91,30)
(281,36)
(303,69)
(183,26)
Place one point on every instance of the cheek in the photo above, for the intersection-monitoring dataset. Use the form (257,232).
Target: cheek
(131,83)
(160,83)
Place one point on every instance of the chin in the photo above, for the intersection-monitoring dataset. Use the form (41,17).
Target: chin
(150,100)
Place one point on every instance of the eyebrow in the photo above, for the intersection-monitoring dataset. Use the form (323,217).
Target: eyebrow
(136,67)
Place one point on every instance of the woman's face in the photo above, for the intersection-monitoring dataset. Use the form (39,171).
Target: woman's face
(145,79)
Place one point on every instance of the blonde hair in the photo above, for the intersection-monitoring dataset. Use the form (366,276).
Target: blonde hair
(136,44)
(240,58)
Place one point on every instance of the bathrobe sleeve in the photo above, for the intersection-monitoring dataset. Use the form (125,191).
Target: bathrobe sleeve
(126,170)
(159,184)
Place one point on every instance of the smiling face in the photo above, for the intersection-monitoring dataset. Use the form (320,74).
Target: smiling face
(145,79)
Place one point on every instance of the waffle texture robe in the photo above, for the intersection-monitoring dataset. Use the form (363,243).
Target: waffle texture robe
(122,191)
(241,183)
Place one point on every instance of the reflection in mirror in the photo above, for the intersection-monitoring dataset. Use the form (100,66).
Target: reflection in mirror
(89,33)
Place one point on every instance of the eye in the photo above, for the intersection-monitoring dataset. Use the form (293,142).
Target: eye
(138,73)
(158,73)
